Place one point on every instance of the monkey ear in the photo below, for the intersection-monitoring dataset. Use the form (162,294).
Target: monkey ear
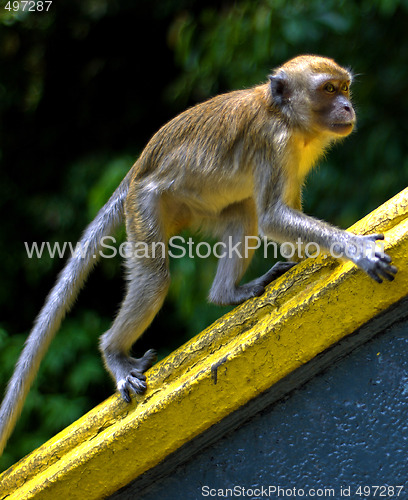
(279,88)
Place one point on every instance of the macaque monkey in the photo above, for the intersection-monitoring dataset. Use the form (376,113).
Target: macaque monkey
(233,165)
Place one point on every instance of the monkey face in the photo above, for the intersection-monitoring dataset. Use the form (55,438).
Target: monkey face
(331,105)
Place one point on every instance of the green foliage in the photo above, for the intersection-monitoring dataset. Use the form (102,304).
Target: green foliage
(235,46)
(82,89)
(71,381)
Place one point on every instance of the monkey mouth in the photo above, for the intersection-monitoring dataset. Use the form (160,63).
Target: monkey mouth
(343,128)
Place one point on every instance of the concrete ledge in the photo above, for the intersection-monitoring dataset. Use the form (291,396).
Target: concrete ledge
(242,355)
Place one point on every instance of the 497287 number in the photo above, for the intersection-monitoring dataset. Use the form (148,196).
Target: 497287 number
(28,6)
(379,491)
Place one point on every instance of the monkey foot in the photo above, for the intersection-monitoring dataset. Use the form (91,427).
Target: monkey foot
(275,271)
(130,371)
(254,288)
(257,287)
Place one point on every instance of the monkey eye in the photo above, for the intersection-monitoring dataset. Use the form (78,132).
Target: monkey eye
(345,87)
(329,87)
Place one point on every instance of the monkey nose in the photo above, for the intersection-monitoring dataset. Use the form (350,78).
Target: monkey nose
(350,111)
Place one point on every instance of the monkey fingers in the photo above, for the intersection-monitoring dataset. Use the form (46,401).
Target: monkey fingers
(135,382)
(373,237)
(381,269)
(378,267)
(128,373)
(384,266)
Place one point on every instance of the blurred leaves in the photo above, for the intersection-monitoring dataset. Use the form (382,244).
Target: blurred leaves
(85,86)
(71,381)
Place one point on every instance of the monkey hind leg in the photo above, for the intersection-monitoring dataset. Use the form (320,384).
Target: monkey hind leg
(147,287)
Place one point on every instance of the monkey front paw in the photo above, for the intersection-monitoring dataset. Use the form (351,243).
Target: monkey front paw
(374,261)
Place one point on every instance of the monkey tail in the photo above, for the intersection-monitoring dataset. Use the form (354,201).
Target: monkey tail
(57,304)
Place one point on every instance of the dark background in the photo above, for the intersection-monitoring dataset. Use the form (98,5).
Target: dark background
(82,89)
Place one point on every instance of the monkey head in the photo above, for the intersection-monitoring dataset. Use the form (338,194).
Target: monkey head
(313,93)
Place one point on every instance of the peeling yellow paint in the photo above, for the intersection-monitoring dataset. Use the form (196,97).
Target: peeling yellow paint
(312,307)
